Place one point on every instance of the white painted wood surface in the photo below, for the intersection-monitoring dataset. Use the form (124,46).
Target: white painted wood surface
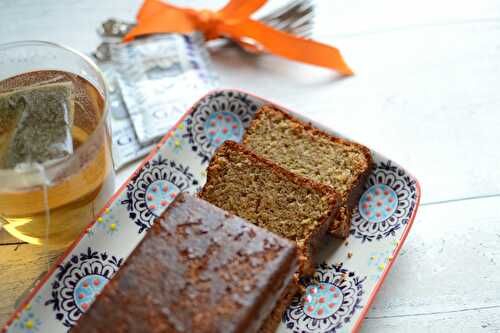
(20,266)
(426,94)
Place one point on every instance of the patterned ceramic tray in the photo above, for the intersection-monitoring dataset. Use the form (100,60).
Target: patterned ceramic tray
(350,275)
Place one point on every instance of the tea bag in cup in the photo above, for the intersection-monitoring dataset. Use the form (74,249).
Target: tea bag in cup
(36,124)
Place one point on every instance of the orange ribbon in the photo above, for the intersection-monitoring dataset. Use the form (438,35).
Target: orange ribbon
(234,22)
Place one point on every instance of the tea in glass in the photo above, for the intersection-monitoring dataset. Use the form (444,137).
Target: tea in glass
(56,169)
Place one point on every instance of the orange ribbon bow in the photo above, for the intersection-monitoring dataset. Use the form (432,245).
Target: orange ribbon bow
(234,22)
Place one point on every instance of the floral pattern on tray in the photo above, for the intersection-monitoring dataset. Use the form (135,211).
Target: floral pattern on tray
(345,280)
(387,203)
(154,188)
(333,295)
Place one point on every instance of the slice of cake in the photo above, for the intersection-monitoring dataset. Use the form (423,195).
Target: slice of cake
(199,269)
(316,155)
(271,197)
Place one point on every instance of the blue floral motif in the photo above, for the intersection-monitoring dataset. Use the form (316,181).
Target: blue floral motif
(152,190)
(333,295)
(386,205)
(222,126)
(378,203)
(77,282)
(87,289)
(322,300)
(219,117)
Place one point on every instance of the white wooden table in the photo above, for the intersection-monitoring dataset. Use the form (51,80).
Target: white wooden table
(426,93)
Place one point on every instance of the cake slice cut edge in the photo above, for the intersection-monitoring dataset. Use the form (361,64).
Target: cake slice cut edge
(314,154)
(260,191)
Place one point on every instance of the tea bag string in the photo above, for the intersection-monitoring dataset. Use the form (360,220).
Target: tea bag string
(45,184)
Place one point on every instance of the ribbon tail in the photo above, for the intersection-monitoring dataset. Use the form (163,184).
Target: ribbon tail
(289,46)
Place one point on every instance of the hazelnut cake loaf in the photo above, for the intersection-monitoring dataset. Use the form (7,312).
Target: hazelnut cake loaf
(271,197)
(304,150)
(198,270)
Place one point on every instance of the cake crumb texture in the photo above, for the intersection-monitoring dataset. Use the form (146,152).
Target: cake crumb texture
(311,153)
(269,196)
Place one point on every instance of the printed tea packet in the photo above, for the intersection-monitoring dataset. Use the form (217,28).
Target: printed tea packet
(126,146)
(191,69)
(159,78)
(36,124)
